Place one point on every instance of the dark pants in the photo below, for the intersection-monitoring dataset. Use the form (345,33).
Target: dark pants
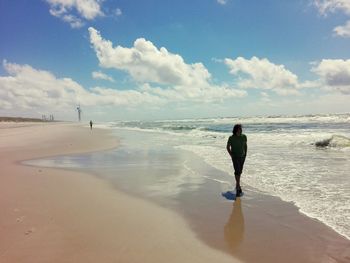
(238,163)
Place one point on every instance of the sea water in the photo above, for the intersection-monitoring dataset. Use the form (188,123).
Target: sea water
(301,159)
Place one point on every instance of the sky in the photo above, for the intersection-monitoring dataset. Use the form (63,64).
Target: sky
(165,59)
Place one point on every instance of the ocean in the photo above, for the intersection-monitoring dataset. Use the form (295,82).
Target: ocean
(300,159)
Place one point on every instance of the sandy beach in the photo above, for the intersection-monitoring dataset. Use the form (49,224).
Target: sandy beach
(51,215)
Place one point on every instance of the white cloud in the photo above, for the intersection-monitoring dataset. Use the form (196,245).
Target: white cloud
(222,2)
(334,74)
(147,64)
(262,74)
(86,9)
(74,22)
(343,31)
(118,12)
(100,75)
(332,6)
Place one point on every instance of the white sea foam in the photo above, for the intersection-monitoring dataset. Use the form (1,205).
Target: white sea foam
(105,126)
(329,118)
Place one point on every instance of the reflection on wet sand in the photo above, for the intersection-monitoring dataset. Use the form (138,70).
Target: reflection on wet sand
(234,228)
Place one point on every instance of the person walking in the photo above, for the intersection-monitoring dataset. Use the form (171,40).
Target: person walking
(90,125)
(237,149)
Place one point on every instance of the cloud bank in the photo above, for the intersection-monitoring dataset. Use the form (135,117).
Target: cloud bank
(27,88)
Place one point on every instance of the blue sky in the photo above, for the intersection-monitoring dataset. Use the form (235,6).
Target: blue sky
(157,59)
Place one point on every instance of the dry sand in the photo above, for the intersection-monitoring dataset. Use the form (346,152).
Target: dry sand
(50,215)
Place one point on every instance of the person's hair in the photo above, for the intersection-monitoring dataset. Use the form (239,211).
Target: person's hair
(236,128)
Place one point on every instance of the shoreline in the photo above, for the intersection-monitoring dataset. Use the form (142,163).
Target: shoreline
(52,215)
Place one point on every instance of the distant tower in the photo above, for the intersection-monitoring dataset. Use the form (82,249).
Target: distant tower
(79,112)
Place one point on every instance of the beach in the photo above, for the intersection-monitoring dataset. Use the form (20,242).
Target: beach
(51,215)
(175,131)
(112,203)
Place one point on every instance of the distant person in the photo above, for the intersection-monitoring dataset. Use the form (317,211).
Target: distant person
(90,125)
(237,148)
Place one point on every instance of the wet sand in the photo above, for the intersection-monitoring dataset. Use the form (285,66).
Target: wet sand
(51,215)
(257,227)
(275,230)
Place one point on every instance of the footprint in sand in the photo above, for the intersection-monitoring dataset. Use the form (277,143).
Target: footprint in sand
(30,231)
(20,219)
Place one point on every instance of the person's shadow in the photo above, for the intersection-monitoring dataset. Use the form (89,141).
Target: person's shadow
(234,228)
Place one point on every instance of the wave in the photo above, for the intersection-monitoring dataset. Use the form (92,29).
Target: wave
(179,127)
(338,141)
(329,118)
(251,124)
